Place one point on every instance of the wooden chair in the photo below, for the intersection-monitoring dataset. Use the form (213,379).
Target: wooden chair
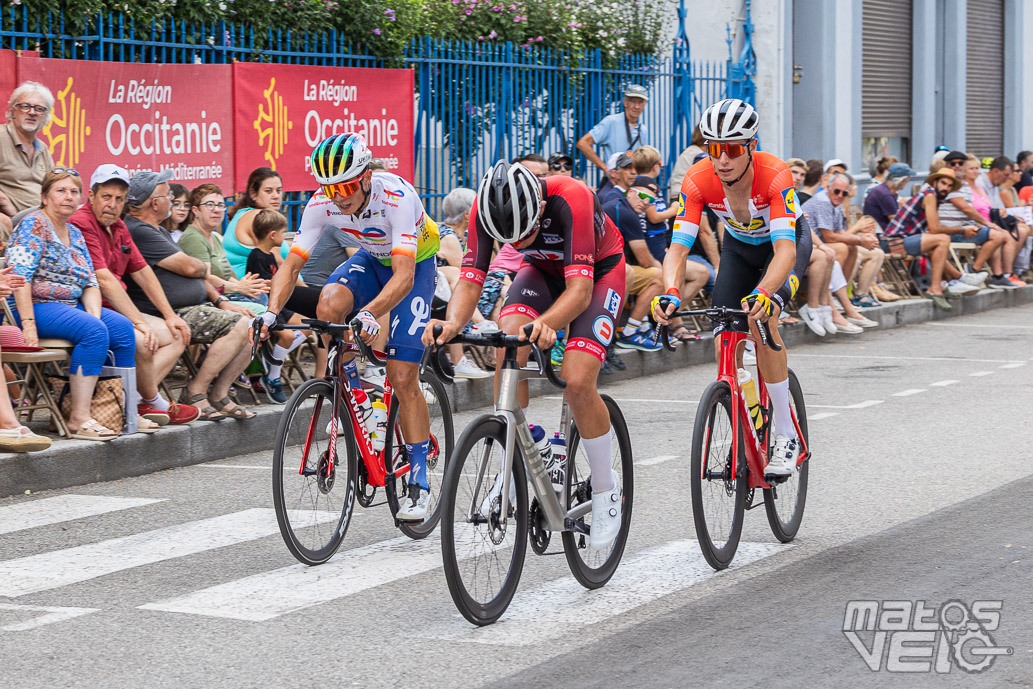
(31,368)
(968,250)
(896,272)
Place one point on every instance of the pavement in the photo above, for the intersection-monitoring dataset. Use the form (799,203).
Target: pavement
(918,491)
(77,462)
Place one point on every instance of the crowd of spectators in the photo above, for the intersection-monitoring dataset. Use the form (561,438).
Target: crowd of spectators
(138,271)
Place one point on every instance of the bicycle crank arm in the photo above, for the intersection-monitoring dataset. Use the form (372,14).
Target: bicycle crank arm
(577,526)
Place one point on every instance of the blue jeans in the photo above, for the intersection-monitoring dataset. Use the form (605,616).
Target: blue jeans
(93,337)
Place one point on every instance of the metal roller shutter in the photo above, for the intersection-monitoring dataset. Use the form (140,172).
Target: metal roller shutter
(886,68)
(984,111)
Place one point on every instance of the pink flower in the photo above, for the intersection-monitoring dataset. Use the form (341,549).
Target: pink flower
(539,39)
(468,11)
(376,32)
(493,34)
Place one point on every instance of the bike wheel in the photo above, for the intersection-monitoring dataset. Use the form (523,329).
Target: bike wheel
(593,567)
(442,442)
(784,502)
(483,554)
(718,498)
(313,511)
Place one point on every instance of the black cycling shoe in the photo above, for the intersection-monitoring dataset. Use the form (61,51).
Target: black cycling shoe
(614,360)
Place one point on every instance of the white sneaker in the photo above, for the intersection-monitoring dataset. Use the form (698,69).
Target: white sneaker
(783,457)
(606,516)
(375,375)
(414,505)
(495,492)
(959,287)
(485,327)
(428,393)
(864,322)
(849,328)
(468,369)
(827,322)
(812,319)
(975,279)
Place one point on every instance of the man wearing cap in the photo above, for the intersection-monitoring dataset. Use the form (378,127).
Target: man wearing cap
(561,164)
(213,320)
(622,131)
(620,173)
(916,230)
(159,341)
(881,202)
(967,225)
(999,171)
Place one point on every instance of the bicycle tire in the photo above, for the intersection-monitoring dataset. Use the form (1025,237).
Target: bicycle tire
(314,492)
(717,401)
(776,496)
(460,493)
(443,443)
(593,576)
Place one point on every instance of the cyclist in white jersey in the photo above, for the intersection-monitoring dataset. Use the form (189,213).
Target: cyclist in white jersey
(390,273)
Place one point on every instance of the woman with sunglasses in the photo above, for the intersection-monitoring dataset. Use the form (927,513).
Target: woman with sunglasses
(764,254)
(392,274)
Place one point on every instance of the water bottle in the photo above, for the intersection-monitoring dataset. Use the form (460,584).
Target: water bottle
(542,443)
(559,458)
(363,402)
(378,425)
(749,390)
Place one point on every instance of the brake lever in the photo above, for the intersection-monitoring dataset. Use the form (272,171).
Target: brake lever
(364,349)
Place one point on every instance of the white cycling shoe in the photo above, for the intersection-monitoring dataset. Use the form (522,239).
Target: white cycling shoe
(783,457)
(414,505)
(496,491)
(606,516)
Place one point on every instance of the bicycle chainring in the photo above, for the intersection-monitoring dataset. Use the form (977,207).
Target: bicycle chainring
(366,493)
(537,531)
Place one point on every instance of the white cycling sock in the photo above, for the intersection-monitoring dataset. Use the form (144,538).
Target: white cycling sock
(631,327)
(282,352)
(783,421)
(600,460)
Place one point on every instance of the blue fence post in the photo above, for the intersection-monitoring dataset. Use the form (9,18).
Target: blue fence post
(682,92)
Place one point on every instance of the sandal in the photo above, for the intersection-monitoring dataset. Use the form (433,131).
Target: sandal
(238,412)
(22,439)
(93,430)
(683,334)
(145,425)
(207,413)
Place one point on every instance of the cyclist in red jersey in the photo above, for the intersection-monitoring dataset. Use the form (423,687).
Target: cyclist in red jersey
(764,253)
(573,273)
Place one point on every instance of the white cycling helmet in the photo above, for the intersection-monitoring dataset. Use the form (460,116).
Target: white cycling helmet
(340,158)
(509,200)
(729,120)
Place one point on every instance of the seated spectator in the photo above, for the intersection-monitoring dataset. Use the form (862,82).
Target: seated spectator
(909,232)
(561,164)
(647,162)
(620,173)
(14,437)
(882,167)
(966,224)
(159,341)
(202,241)
(61,299)
(882,201)
(181,217)
(644,279)
(269,228)
(264,190)
(501,272)
(812,181)
(535,163)
(213,319)
(990,183)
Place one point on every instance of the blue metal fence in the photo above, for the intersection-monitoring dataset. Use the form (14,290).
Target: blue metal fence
(476,102)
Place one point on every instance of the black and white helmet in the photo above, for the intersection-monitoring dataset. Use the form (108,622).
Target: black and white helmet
(729,120)
(509,200)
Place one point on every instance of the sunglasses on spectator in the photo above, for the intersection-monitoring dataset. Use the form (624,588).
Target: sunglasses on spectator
(955,163)
(212,205)
(839,192)
(648,198)
(561,166)
(345,189)
(28,107)
(714,149)
(65,171)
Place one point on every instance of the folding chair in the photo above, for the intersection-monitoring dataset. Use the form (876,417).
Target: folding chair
(967,249)
(896,272)
(33,381)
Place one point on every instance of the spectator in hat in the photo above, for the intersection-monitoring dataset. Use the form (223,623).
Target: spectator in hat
(620,173)
(882,201)
(967,224)
(990,183)
(160,340)
(561,164)
(213,319)
(622,131)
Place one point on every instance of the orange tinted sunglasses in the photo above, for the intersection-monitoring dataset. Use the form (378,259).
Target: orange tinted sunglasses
(345,189)
(715,148)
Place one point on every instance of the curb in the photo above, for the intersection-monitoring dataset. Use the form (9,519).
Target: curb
(78,462)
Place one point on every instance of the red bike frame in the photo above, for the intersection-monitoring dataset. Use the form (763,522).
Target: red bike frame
(756,451)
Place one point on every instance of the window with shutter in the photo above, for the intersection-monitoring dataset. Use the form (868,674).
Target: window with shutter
(984,85)
(886,35)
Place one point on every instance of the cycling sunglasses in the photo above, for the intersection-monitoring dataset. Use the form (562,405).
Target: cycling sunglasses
(345,189)
(714,149)
(560,166)
(648,198)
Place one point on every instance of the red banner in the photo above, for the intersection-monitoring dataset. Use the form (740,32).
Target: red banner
(142,117)
(283,111)
(7,75)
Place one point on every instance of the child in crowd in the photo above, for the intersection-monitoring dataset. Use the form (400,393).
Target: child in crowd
(269,227)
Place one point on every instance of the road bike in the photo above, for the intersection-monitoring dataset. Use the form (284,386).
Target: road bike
(485,527)
(731,445)
(315,485)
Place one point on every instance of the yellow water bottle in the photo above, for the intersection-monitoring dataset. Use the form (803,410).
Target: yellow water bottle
(378,433)
(749,389)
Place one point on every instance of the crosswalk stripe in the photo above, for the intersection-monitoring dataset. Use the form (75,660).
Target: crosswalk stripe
(555,608)
(62,508)
(270,594)
(660,459)
(72,565)
(50,616)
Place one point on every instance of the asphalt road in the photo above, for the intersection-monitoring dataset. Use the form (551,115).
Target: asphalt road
(918,491)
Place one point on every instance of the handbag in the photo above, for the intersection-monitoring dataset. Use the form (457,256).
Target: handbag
(107,406)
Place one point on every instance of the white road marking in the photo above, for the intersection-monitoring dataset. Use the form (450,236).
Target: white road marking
(52,615)
(987,326)
(557,608)
(62,508)
(943,383)
(633,399)
(979,374)
(1016,364)
(234,466)
(797,355)
(822,415)
(660,459)
(859,405)
(52,570)
(908,393)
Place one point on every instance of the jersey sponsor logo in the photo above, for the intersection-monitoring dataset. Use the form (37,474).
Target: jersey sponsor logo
(794,284)
(409,236)
(755,224)
(374,213)
(374,235)
(578,272)
(612,303)
(546,222)
(789,200)
(528,292)
(473,276)
(396,195)
(357,268)
(544,254)
(510,309)
(585,257)
(681,203)
(421,312)
(602,328)
(552,239)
